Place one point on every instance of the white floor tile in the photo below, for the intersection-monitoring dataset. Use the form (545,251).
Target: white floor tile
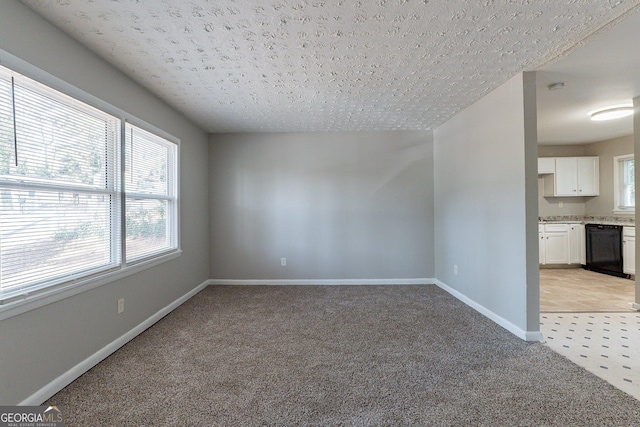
(607,344)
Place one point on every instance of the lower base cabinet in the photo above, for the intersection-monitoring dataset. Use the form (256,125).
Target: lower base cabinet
(561,243)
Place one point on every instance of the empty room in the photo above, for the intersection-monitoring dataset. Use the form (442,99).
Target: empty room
(299,212)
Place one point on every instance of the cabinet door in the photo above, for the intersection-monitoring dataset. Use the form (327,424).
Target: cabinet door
(566,176)
(588,176)
(557,248)
(541,245)
(546,165)
(577,251)
(629,255)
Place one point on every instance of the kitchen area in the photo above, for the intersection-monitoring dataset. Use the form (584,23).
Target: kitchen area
(586,176)
(586,227)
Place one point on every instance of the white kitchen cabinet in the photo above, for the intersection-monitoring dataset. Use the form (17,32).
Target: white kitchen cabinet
(573,176)
(577,246)
(565,179)
(629,250)
(546,165)
(588,176)
(556,244)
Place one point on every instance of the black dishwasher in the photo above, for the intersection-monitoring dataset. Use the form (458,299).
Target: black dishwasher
(604,249)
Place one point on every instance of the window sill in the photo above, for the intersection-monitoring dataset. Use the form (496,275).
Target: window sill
(624,211)
(31,300)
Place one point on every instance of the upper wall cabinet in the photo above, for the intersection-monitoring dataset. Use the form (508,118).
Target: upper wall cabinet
(546,165)
(573,176)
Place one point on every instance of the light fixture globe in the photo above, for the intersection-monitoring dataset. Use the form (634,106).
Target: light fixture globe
(612,113)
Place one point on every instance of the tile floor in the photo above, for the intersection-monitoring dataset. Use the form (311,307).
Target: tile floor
(586,317)
(607,344)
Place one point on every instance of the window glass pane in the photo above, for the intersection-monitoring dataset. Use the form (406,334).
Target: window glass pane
(48,235)
(148,160)
(629,183)
(147,227)
(149,183)
(625,196)
(59,211)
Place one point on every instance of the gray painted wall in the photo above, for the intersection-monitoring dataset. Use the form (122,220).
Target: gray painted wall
(345,205)
(42,344)
(560,150)
(485,203)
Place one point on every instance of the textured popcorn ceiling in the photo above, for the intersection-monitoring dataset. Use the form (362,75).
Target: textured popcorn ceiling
(302,65)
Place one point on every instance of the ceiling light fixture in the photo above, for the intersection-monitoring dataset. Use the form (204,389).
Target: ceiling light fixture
(611,113)
(556,86)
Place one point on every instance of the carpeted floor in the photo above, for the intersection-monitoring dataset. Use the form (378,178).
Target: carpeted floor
(319,355)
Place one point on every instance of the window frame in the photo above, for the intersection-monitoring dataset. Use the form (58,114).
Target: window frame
(15,302)
(174,196)
(618,185)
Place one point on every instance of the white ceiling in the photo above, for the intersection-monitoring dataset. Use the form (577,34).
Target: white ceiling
(603,72)
(304,65)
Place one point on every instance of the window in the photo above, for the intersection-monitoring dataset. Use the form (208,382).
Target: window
(62,175)
(151,193)
(624,184)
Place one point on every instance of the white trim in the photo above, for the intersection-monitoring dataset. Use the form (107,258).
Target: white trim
(323,282)
(519,332)
(629,211)
(68,377)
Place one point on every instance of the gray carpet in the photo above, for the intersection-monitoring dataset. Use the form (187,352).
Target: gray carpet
(318,355)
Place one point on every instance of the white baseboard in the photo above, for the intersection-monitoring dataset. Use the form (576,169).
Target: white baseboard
(68,377)
(324,282)
(519,332)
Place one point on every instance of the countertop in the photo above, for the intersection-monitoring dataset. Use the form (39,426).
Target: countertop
(628,221)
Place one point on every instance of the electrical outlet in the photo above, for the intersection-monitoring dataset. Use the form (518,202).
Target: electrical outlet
(283,262)
(120,305)
(455,269)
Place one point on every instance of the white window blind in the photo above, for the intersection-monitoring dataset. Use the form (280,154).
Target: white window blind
(151,193)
